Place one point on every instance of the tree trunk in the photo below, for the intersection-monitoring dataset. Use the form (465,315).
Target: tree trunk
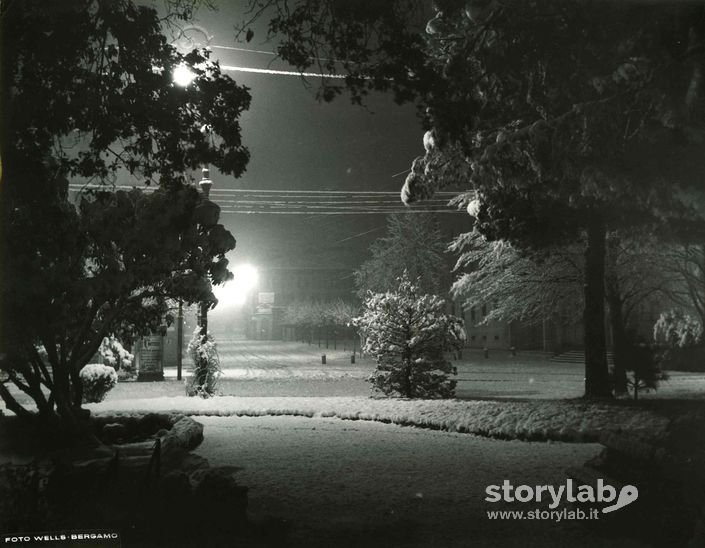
(76,385)
(620,342)
(203,320)
(12,404)
(407,379)
(597,382)
(636,385)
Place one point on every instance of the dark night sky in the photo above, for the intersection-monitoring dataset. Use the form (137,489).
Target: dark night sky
(299,143)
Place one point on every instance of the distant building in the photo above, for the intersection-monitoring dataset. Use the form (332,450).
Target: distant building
(281,286)
(561,332)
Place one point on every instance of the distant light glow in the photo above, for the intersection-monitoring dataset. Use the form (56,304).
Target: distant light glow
(183,76)
(236,291)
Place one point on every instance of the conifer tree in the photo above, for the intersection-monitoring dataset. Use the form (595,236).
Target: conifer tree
(409,333)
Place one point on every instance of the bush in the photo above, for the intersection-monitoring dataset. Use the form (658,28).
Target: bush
(409,333)
(97,380)
(680,341)
(206,366)
(115,355)
(675,329)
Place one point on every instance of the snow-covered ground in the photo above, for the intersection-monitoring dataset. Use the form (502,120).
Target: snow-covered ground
(295,369)
(574,421)
(292,369)
(366,484)
(369,481)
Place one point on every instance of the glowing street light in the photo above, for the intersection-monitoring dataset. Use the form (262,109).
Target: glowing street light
(183,75)
(236,291)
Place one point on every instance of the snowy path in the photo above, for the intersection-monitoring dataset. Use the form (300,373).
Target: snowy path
(344,484)
(498,376)
(243,359)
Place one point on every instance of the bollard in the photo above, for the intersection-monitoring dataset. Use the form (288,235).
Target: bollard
(514,351)
(323,359)
(352,358)
(487,352)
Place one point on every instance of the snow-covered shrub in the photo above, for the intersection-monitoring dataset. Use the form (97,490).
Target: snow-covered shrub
(206,366)
(409,333)
(97,380)
(115,355)
(679,338)
(675,329)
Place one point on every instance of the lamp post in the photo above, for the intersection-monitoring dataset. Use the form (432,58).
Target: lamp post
(179,340)
(209,213)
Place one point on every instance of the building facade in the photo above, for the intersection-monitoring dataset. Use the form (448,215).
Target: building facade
(279,287)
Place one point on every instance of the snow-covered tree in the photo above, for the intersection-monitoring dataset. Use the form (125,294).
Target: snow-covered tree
(88,97)
(534,286)
(409,333)
(414,244)
(206,365)
(676,329)
(561,139)
(566,120)
(321,319)
(521,286)
(116,356)
(685,262)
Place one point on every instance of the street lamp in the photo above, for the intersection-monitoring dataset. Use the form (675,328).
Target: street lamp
(183,75)
(235,292)
(209,211)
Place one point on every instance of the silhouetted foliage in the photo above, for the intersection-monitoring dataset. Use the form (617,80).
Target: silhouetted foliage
(565,120)
(88,97)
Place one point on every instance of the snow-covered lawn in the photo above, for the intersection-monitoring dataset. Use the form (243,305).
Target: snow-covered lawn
(533,420)
(245,359)
(368,484)
(287,367)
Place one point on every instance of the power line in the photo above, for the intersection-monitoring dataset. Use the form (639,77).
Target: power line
(323,192)
(376,212)
(309,202)
(352,202)
(401,173)
(264,52)
(255,190)
(314,205)
(359,234)
(264,192)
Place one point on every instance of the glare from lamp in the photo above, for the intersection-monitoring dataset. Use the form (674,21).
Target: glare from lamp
(235,292)
(183,76)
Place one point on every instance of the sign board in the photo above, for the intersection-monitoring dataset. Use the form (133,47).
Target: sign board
(266,298)
(150,355)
